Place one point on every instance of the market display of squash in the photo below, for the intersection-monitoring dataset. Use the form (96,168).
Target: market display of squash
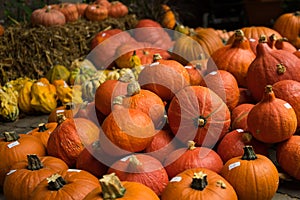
(161,111)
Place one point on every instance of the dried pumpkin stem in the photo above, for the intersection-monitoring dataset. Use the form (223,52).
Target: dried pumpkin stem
(249,153)
(239,35)
(247,137)
(61,118)
(263,39)
(199,181)
(280,69)
(133,164)
(200,121)
(268,89)
(112,187)
(156,57)
(191,145)
(11,136)
(133,88)
(34,163)
(42,127)
(55,182)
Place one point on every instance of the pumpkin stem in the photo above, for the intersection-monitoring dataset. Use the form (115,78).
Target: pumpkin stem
(133,164)
(199,181)
(247,137)
(127,77)
(11,136)
(112,187)
(297,13)
(249,153)
(42,127)
(60,118)
(269,94)
(198,66)
(263,39)
(199,121)
(156,57)
(280,69)
(221,184)
(239,35)
(34,163)
(118,100)
(133,88)
(55,182)
(191,145)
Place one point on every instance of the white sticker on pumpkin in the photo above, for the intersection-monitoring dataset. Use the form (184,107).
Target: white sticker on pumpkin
(125,158)
(287,105)
(188,67)
(240,130)
(40,84)
(13,144)
(176,179)
(74,170)
(11,171)
(234,165)
(60,111)
(155,63)
(213,73)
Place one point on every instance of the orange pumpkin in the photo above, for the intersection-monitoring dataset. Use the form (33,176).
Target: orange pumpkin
(196,70)
(269,67)
(162,144)
(96,12)
(69,10)
(252,175)
(106,93)
(128,129)
(198,184)
(164,78)
(141,168)
(253,33)
(234,58)
(287,154)
(69,138)
(47,17)
(271,125)
(288,26)
(289,90)
(232,145)
(239,116)
(199,114)
(224,85)
(147,101)
(43,131)
(117,9)
(31,171)
(113,188)
(68,184)
(69,110)
(81,9)
(192,157)
(15,147)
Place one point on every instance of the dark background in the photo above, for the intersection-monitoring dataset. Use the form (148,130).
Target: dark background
(221,14)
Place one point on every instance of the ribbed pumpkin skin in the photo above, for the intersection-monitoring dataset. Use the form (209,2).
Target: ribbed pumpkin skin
(106,92)
(150,172)
(253,179)
(181,190)
(289,91)
(148,102)
(183,159)
(234,58)
(128,130)
(68,139)
(288,25)
(28,144)
(26,180)
(78,185)
(225,85)
(134,190)
(239,116)
(192,103)
(164,78)
(288,156)
(272,120)
(264,69)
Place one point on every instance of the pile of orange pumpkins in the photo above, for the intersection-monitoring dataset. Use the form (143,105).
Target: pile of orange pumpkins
(197,123)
